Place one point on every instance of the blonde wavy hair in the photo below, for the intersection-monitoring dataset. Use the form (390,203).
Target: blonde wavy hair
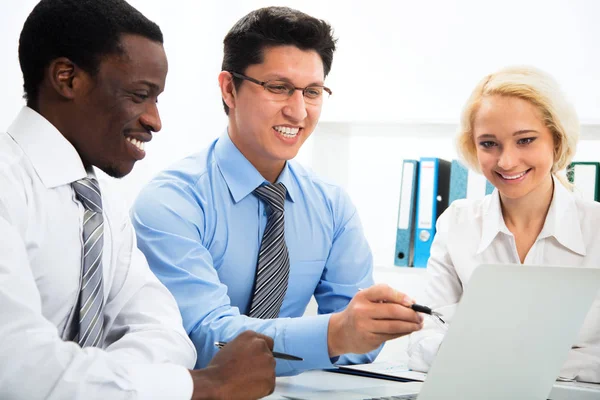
(541,90)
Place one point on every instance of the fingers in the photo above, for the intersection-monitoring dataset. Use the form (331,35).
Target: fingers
(390,304)
(268,340)
(384,318)
(378,338)
(394,327)
(245,365)
(373,316)
(384,293)
(252,336)
(363,309)
(390,311)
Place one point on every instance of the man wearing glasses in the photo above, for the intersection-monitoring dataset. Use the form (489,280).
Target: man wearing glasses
(243,236)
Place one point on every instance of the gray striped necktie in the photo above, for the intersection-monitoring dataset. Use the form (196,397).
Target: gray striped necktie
(273,266)
(91,296)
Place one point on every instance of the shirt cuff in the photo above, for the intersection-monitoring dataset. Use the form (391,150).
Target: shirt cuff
(161,381)
(422,353)
(581,366)
(306,337)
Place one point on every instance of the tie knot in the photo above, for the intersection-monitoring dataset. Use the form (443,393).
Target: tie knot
(273,195)
(88,193)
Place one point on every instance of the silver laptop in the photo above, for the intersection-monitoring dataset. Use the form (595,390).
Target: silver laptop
(511,333)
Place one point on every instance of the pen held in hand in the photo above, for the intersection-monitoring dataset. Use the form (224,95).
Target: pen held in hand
(276,354)
(420,308)
(426,310)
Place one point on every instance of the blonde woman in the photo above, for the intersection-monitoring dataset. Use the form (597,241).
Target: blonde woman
(519,131)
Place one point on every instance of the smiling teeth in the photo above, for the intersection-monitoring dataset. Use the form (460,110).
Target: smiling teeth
(137,143)
(510,178)
(287,131)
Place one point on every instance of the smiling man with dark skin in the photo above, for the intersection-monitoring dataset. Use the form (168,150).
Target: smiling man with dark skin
(82,315)
(117,106)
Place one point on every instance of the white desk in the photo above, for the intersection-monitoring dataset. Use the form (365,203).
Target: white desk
(331,386)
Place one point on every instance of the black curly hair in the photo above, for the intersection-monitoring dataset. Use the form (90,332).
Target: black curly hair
(81,30)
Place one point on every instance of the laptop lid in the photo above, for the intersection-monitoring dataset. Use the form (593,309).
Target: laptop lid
(509,337)
(512,332)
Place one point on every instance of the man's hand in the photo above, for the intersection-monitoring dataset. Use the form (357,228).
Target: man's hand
(374,315)
(242,369)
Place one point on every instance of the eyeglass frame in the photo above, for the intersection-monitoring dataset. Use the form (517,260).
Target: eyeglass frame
(290,93)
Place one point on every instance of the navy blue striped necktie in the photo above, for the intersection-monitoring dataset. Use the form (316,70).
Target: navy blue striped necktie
(273,268)
(91,295)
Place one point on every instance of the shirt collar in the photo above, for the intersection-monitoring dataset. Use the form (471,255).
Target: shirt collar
(240,175)
(492,221)
(53,157)
(562,221)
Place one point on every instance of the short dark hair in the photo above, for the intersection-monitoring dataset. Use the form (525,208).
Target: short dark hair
(81,30)
(275,26)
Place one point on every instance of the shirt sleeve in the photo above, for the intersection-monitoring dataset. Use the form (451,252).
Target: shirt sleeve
(144,322)
(583,361)
(37,364)
(583,365)
(169,234)
(443,291)
(349,268)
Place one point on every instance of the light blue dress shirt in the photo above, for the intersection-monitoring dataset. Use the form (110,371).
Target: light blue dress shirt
(200,227)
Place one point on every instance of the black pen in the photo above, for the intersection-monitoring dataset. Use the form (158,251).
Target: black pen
(422,309)
(276,354)
(427,310)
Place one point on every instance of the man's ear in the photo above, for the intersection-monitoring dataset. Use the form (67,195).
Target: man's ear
(227,86)
(65,77)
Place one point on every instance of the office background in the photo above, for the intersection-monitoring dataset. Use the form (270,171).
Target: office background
(401,74)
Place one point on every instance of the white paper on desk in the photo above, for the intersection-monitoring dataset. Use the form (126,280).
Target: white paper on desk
(388,368)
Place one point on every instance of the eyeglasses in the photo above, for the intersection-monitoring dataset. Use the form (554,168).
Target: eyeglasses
(282,90)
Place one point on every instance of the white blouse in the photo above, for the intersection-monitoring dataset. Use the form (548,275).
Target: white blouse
(472,232)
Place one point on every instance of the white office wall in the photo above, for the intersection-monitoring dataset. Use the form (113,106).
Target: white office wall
(397,61)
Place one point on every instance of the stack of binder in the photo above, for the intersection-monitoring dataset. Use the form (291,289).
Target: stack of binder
(434,182)
(423,197)
(467,184)
(428,186)
(405,233)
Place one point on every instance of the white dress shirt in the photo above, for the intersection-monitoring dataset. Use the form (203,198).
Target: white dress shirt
(145,352)
(473,232)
